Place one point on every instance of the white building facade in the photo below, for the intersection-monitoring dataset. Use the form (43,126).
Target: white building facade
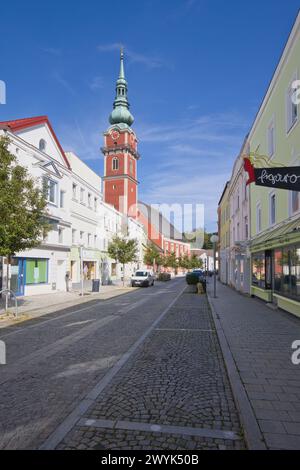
(81,224)
(239,254)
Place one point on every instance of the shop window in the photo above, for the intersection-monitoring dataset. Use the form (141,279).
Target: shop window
(287,272)
(36,271)
(113,269)
(259,270)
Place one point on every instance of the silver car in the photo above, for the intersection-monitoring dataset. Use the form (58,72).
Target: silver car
(142,278)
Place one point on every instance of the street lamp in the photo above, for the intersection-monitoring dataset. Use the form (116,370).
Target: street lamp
(214,240)
(81,268)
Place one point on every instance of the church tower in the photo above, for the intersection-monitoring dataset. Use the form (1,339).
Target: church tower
(120,153)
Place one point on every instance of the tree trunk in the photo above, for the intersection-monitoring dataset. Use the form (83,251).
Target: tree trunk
(123,274)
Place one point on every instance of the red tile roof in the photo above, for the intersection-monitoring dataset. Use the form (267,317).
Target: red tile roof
(19,124)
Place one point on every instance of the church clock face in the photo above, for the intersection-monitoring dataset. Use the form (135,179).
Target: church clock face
(115,134)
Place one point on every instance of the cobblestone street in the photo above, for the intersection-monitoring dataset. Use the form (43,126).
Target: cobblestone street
(172,394)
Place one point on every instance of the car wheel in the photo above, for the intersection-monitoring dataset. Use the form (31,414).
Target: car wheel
(152,283)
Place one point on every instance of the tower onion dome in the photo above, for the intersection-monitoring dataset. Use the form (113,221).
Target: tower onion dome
(121,114)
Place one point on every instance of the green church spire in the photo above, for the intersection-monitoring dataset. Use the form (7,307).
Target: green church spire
(121,114)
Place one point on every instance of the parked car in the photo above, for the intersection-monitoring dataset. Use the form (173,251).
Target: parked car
(142,278)
(200,273)
(201,277)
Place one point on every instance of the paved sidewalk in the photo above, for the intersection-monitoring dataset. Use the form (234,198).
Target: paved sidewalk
(260,341)
(38,305)
(173,393)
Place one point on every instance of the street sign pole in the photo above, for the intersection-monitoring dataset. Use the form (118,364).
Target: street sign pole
(214,240)
(81,269)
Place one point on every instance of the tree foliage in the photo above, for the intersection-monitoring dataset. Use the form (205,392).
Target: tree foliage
(122,250)
(152,256)
(22,206)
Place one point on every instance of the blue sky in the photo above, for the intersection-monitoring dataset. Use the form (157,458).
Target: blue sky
(196,69)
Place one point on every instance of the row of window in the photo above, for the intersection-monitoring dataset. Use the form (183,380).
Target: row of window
(58,197)
(91,240)
(272,213)
(92,203)
(294,206)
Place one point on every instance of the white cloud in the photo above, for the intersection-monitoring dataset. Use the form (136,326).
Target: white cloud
(96,83)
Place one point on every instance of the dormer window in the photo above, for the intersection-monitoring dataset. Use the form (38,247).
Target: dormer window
(115,164)
(42,145)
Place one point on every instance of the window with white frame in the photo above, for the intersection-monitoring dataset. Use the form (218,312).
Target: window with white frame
(89,200)
(271,139)
(89,239)
(245,191)
(81,195)
(95,241)
(81,236)
(60,235)
(115,163)
(74,191)
(272,208)
(246,227)
(62,199)
(295,206)
(95,204)
(291,106)
(258,218)
(73,236)
(50,187)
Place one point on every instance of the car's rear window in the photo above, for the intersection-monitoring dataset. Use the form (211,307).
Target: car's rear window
(141,273)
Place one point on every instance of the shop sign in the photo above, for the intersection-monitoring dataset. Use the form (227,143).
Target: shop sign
(88,254)
(282,177)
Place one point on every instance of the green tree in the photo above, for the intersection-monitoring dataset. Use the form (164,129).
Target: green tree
(152,256)
(194,262)
(184,262)
(170,261)
(123,251)
(22,207)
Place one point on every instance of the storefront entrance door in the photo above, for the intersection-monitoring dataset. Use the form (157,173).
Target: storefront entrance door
(17,279)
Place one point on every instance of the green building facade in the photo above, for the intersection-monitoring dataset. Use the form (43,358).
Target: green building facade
(275,213)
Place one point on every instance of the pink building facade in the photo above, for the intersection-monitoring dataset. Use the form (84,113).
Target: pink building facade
(239,254)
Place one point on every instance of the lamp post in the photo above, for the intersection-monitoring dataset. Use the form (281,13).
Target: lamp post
(81,268)
(214,240)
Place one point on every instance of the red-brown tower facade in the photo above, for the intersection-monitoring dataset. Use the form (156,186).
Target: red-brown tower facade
(120,153)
